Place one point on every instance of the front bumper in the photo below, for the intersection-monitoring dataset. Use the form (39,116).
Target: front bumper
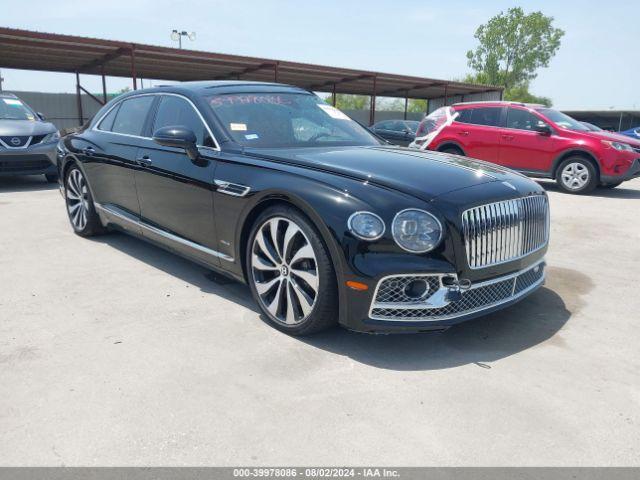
(632,172)
(34,160)
(445,304)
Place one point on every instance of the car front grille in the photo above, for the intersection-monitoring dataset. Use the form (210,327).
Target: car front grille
(481,296)
(504,231)
(15,141)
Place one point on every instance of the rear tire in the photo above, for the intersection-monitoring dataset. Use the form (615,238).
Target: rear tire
(80,208)
(577,175)
(51,177)
(290,273)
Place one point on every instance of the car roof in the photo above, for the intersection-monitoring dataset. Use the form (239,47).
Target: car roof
(497,103)
(213,87)
(8,95)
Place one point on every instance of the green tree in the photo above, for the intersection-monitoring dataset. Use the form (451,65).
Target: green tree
(417,105)
(520,93)
(346,101)
(513,46)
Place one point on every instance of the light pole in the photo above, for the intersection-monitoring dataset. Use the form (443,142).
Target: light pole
(177,35)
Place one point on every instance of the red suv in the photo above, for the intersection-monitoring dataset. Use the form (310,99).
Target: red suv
(533,139)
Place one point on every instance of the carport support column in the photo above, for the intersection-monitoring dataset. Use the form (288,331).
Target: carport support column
(104,86)
(333,96)
(79,99)
(372,110)
(133,67)
(445,94)
(275,72)
(406,105)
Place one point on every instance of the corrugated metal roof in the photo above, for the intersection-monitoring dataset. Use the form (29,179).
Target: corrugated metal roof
(24,49)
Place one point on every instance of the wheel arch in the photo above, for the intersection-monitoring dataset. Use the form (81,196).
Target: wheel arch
(291,200)
(451,143)
(575,152)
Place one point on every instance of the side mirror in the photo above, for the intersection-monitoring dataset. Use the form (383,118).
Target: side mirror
(41,116)
(543,129)
(179,137)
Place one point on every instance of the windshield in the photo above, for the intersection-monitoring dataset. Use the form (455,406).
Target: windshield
(562,120)
(14,109)
(266,120)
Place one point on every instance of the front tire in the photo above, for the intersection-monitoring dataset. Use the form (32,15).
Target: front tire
(80,208)
(290,273)
(577,175)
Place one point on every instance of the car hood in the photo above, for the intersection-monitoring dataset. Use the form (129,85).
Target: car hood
(25,128)
(424,175)
(616,137)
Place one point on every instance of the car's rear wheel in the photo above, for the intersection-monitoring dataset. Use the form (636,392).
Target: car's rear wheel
(610,185)
(82,213)
(577,175)
(290,273)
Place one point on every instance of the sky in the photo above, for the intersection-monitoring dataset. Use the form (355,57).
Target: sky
(596,66)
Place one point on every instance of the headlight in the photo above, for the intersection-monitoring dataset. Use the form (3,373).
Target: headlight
(52,137)
(618,145)
(366,225)
(416,231)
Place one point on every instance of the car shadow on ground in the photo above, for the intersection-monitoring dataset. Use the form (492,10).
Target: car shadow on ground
(619,192)
(185,270)
(535,320)
(25,184)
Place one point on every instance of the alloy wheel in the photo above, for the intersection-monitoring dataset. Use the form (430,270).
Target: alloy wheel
(77,199)
(575,176)
(284,270)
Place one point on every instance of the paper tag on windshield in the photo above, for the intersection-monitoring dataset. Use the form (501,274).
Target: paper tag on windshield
(12,101)
(238,127)
(333,112)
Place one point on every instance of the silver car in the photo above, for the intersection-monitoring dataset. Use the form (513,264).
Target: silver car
(27,142)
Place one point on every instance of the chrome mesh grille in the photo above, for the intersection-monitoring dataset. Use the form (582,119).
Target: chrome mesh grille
(477,298)
(392,290)
(503,231)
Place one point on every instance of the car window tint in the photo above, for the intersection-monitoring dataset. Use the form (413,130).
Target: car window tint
(486,116)
(175,111)
(522,119)
(396,126)
(107,122)
(464,116)
(382,125)
(132,114)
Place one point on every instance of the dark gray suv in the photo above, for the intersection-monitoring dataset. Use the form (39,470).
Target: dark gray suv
(27,142)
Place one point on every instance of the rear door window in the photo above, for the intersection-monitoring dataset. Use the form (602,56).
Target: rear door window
(488,116)
(106,123)
(132,114)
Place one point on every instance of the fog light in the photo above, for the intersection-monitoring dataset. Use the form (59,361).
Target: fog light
(416,289)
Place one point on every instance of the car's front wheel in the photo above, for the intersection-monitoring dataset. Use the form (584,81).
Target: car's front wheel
(577,175)
(290,272)
(82,213)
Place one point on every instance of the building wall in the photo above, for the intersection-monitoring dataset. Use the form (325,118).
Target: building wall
(61,109)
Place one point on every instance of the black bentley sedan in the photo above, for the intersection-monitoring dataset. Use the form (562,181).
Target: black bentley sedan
(268,184)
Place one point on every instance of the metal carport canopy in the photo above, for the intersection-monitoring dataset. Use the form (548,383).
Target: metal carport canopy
(29,50)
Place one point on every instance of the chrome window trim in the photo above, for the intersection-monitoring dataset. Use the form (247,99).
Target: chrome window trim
(474,286)
(99,121)
(163,233)
(352,231)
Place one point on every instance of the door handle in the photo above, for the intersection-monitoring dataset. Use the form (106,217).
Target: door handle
(464,133)
(89,151)
(508,137)
(144,161)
